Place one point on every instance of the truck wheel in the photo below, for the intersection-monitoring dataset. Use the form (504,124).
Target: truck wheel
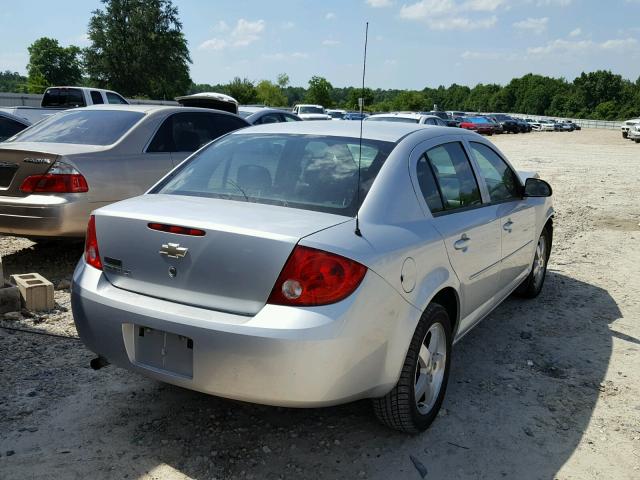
(624,134)
(414,402)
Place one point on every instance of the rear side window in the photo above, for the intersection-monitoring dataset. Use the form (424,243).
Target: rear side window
(96,97)
(82,127)
(455,182)
(63,98)
(8,128)
(115,99)
(268,118)
(500,180)
(187,132)
(290,118)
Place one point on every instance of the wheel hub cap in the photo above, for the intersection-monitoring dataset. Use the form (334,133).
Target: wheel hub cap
(430,368)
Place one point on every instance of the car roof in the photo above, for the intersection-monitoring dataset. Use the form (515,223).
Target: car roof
(384,131)
(411,115)
(150,109)
(15,118)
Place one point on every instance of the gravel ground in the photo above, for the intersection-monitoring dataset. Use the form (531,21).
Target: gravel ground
(542,389)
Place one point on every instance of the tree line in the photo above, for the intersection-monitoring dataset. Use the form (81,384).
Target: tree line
(137,48)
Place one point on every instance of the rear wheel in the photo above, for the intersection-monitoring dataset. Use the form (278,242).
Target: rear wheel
(624,134)
(532,285)
(414,402)
(637,140)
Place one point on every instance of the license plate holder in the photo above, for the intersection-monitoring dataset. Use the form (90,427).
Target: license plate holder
(164,351)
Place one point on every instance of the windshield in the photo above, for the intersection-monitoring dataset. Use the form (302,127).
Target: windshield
(309,172)
(312,110)
(83,127)
(478,120)
(392,119)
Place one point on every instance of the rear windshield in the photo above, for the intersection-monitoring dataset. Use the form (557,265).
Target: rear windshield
(393,119)
(311,110)
(83,127)
(309,172)
(63,98)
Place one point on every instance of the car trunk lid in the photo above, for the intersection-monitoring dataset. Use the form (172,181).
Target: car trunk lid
(232,267)
(17,165)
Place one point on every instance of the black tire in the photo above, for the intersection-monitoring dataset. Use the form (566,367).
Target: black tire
(530,288)
(637,140)
(624,134)
(398,409)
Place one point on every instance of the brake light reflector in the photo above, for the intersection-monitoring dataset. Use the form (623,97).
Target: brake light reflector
(60,178)
(161,227)
(313,277)
(91,252)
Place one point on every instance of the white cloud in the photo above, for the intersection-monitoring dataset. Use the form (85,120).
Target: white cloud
(489,55)
(330,43)
(553,3)
(379,3)
(244,33)
(563,47)
(284,56)
(575,33)
(391,62)
(535,25)
(288,25)
(453,14)
(330,16)
(221,27)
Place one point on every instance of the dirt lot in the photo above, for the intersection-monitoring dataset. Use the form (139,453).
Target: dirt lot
(542,389)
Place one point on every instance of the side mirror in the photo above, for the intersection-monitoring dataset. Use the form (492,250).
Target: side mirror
(535,187)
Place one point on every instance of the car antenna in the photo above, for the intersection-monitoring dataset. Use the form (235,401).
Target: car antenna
(364,71)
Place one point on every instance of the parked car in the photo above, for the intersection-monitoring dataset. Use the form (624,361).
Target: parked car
(10,125)
(213,100)
(496,126)
(575,125)
(534,124)
(407,117)
(522,125)
(509,124)
(58,99)
(355,116)
(255,270)
(477,124)
(450,122)
(547,126)
(311,112)
(634,133)
(53,174)
(260,115)
(627,125)
(336,114)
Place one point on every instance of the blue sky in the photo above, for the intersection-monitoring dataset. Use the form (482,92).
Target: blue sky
(412,43)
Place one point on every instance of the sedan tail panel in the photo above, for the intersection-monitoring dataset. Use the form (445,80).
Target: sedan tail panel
(221,265)
(17,165)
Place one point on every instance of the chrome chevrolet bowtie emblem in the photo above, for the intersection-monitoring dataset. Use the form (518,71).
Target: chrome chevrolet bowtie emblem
(173,250)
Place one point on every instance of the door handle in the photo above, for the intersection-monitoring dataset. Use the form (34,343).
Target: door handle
(508,226)
(461,244)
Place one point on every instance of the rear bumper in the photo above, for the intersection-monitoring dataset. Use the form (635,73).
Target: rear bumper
(296,357)
(44,215)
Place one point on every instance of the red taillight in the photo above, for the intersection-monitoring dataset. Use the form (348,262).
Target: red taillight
(312,277)
(60,178)
(55,183)
(91,252)
(196,232)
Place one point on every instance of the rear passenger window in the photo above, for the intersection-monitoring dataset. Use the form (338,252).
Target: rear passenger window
(115,99)
(500,180)
(269,118)
(187,132)
(96,97)
(8,128)
(455,182)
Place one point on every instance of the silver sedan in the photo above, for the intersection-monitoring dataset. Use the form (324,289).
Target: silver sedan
(297,264)
(55,173)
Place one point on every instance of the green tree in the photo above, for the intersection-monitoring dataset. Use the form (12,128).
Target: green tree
(355,94)
(138,48)
(270,94)
(283,80)
(12,82)
(319,92)
(51,64)
(242,89)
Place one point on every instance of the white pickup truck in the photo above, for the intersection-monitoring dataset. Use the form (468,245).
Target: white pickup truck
(626,126)
(56,99)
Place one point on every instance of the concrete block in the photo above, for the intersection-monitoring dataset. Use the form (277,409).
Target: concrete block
(10,300)
(35,290)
